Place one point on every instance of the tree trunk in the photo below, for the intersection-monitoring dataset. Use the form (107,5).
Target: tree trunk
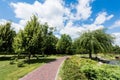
(29,55)
(43,53)
(90,55)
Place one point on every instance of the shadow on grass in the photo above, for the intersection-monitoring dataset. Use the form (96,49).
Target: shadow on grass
(5,58)
(42,60)
(33,60)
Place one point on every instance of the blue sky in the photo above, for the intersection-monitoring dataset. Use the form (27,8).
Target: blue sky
(68,16)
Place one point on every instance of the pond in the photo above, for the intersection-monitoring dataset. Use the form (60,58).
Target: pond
(114,62)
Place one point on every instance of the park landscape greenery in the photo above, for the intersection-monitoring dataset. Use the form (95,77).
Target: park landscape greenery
(33,46)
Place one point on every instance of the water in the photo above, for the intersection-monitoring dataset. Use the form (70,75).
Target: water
(114,62)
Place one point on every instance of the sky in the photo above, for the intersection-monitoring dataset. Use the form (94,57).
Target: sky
(71,17)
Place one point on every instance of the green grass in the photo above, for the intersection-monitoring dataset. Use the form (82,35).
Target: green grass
(12,72)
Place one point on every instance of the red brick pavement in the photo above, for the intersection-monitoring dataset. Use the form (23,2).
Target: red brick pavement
(46,72)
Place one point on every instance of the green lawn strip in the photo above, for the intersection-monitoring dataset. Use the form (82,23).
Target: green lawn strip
(20,72)
(12,72)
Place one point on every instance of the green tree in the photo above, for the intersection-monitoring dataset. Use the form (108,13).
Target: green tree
(29,40)
(116,49)
(64,44)
(19,43)
(44,37)
(49,40)
(6,37)
(51,43)
(77,48)
(96,41)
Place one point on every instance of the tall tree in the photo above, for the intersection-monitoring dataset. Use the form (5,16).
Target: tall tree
(96,41)
(44,37)
(6,37)
(19,43)
(116,49)
(29,40)
(64,44)
(77,48)
(51,42)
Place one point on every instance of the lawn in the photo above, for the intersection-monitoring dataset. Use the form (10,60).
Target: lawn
(12,72)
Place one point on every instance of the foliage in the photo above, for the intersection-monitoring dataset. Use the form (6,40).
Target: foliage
(64,44)
(34,39)
(76,68)
(20,64)
(12,62)
(77,48)
(48,40)
(29,40)
(18,43)
(6,37)
(51,44)
(116,49)
(96,41)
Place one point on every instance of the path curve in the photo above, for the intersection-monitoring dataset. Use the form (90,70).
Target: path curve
(48,71)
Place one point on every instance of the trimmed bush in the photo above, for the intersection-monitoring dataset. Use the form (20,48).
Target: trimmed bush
(11,62)
(76,68)
(20,64)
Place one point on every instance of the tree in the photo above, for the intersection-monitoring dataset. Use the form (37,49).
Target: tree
(19,43)
(77,48)
(116,49)
(6,37)
(64,44)
(96,41)
(44,37)
(51,44)
(29,40)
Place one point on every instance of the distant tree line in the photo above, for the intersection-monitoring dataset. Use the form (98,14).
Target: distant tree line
(37,38)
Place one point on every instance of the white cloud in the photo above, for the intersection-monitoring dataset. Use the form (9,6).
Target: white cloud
(92,27)
(55,13)
(15,26)
(117,38)
(115,25)
(72,30)
(83,9)
(102,17)
(50,11)
(3,21)
(75,31)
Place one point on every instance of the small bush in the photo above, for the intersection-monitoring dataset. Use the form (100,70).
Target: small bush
(20,64)
(13,57)
(11,62)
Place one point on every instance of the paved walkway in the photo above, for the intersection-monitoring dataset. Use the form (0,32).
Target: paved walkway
(48,71)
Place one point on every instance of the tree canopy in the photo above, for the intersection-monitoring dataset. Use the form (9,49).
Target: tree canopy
(64,44)
(96,41)
(29,40)
(6,37)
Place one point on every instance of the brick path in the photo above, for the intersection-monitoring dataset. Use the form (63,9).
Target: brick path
(48,71)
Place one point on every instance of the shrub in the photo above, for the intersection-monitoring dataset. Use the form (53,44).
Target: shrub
(76,68)
(20,64)
(71,71)
(11,62)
